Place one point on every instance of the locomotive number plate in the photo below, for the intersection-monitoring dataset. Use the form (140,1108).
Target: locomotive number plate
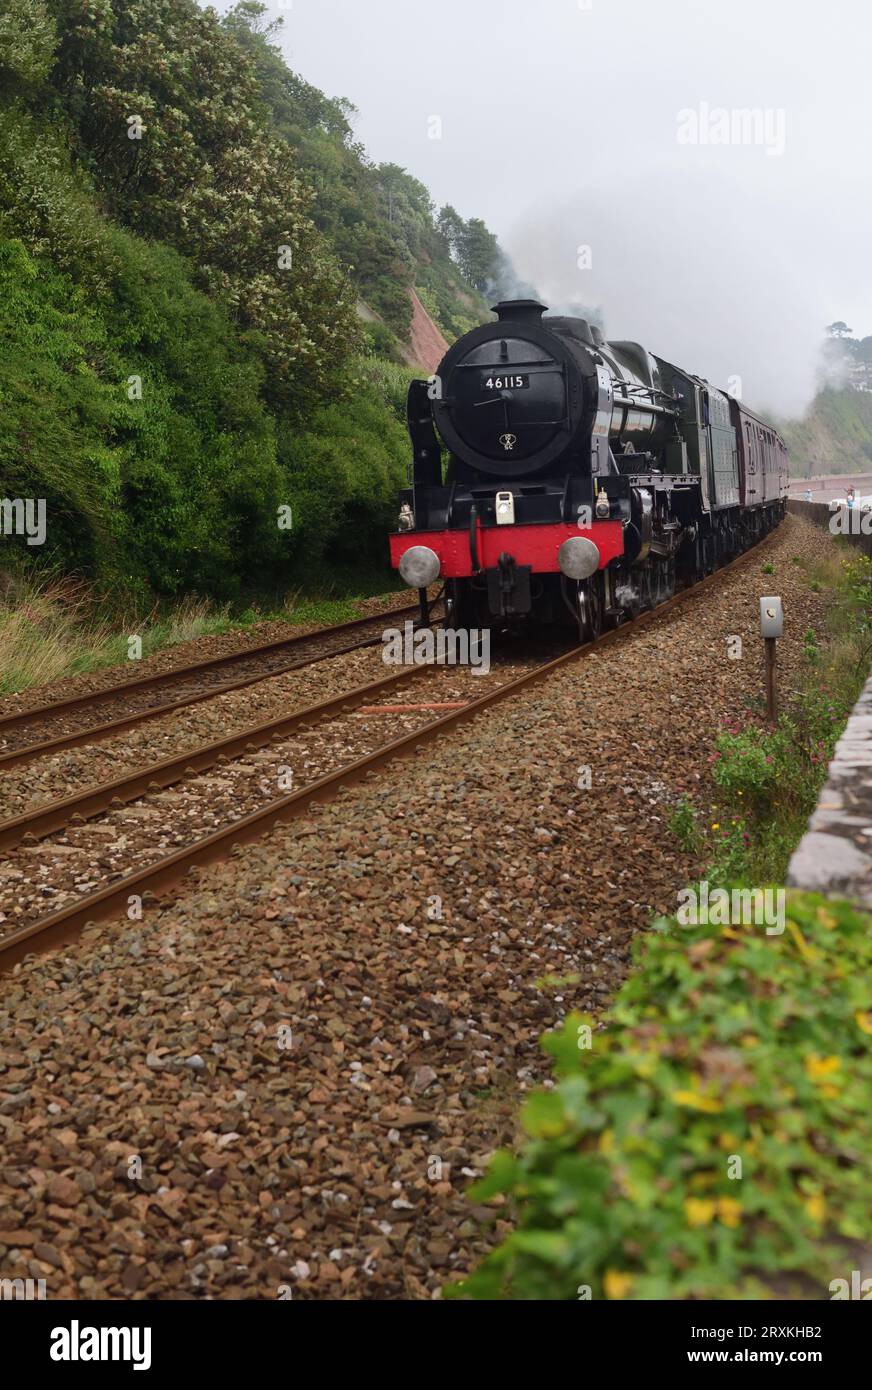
(493,382)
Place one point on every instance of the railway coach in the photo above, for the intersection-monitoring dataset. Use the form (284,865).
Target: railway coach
(558,478)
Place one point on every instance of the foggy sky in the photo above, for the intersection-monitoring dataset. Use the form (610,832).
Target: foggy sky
(560,125)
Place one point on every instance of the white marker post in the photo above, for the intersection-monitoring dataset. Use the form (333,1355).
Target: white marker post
(772,627)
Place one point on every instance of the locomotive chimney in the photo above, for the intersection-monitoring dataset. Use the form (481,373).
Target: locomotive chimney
(520,310)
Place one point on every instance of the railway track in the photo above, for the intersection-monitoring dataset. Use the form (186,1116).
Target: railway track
(69,723)
(91,903)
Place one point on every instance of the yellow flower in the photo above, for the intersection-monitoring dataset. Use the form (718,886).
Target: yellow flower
(616,1283)
(819,1067)
(727,1142)
(729,1211)
(816,1206)
(694,1101)
(805,950)
(606,1141)
(716,825)
(700,1211)
(863,1022)
(702,1180)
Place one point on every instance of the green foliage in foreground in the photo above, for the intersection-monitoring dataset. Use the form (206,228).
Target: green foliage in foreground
(723,1044)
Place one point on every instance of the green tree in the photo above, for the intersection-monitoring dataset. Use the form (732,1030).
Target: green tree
(28,39)
(477,253)
(167,107)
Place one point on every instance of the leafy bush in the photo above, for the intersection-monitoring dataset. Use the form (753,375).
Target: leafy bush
(50,206)
(175,491)
(856,587)
(343,474)
(723,1044)
(56,413)
(380,341)
(387,382)
(752,763)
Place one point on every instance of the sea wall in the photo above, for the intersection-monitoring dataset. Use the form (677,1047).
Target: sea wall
(835,854)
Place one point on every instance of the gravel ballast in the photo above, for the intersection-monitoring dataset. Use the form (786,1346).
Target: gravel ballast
(284,1080)
(40,876)
(71,769)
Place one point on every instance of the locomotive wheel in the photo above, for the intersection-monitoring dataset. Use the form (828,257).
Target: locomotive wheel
(647,587)
(705,556)
(662,583)
(590,609)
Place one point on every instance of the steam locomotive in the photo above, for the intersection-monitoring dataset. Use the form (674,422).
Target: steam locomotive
(583,478)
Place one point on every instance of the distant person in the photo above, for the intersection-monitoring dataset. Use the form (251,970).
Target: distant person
(807,494)
(850,497)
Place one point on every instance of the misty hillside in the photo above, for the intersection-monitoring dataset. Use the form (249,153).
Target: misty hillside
(211,301)
(834,436)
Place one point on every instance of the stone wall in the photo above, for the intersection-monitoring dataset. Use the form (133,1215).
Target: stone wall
(835,854)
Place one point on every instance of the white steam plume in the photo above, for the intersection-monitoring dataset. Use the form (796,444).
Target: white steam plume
(725,277)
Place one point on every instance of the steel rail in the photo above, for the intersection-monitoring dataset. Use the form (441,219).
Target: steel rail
(50,816)
(212,663)
(61,926)
(96,733)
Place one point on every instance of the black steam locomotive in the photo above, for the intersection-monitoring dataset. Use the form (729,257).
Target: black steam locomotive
(583,477)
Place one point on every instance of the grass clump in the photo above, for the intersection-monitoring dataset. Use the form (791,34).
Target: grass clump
(49,630)
(683,822)
(52,628)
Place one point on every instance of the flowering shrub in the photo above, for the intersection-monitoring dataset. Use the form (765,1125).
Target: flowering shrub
(204,173)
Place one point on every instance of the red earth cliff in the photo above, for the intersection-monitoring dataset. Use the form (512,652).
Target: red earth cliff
(427,344)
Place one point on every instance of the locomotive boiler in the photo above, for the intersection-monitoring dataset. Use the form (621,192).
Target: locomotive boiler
(559,478)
